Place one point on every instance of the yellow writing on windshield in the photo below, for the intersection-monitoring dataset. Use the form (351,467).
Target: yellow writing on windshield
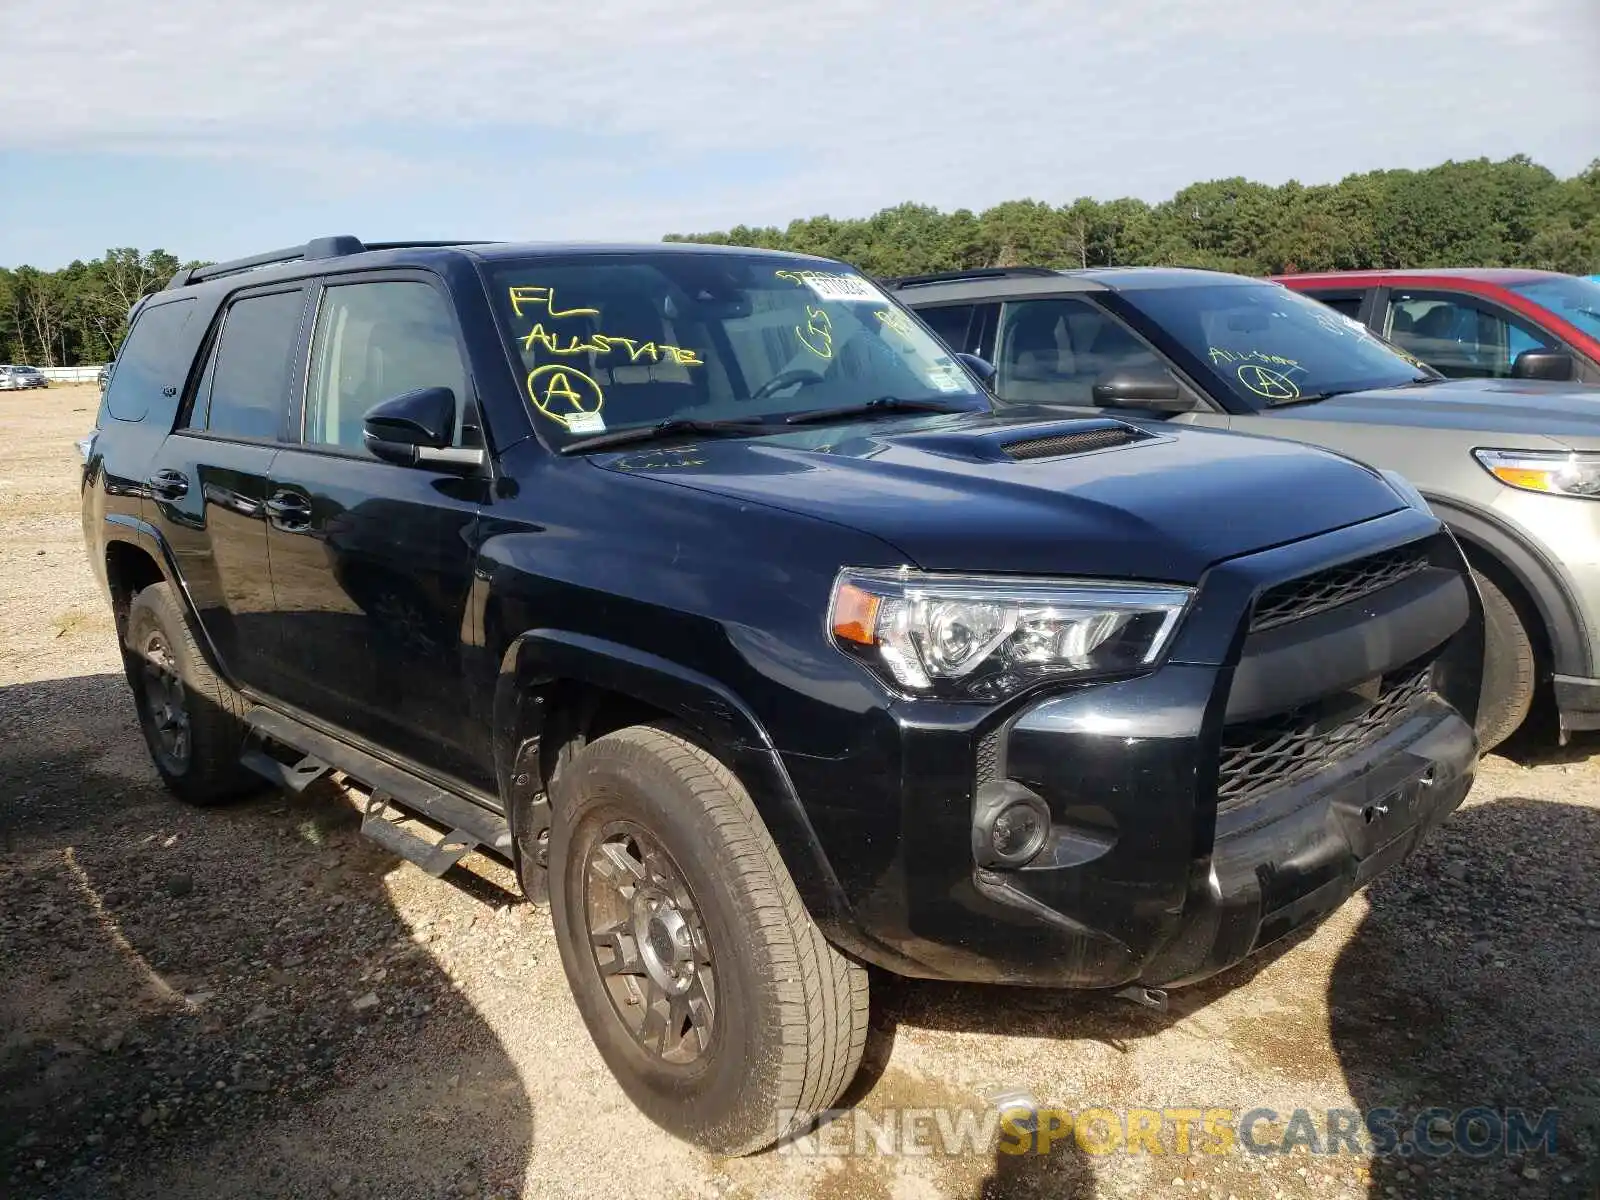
(817,333)
(1230,357)
(1265,382)
(894,319)
(561,392)
(535,296)
(604,343)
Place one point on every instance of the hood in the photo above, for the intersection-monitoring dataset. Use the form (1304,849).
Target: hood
(1526,406)
(947,493)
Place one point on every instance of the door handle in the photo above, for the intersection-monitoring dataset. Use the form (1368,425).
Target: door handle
(169,485)
(289,510)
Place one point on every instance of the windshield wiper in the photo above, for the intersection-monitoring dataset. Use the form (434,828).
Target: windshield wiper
(671,427)
(1311,397)
(881,404)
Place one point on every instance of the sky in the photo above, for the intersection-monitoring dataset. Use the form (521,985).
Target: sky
(214,130)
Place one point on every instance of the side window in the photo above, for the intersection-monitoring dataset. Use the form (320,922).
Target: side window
(1347,303)
(374,341)
(951,323)
(1457,335)
(154,357)
(1053,351)
(245,388)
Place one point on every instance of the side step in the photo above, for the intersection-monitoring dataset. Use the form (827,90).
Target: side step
(396,794)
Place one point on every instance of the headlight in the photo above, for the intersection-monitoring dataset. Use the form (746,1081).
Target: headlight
(1558,472)
(964,637)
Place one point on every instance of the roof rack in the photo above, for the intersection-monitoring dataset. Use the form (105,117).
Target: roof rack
(337,246)
(971,273)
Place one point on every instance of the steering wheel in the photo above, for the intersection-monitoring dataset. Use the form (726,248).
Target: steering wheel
(783,379)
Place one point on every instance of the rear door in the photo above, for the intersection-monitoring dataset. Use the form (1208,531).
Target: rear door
(372,562)
(208,483)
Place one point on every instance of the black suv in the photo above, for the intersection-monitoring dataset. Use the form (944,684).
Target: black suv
(707,581)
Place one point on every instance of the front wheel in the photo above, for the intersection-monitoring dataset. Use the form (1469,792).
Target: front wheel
(714,999)
(1508,667)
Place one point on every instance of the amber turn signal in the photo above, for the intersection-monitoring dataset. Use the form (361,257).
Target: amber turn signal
(855,615)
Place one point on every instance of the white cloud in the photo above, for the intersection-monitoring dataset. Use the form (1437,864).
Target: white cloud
(861,102)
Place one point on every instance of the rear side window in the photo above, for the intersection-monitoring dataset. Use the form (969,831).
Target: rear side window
(1341,302)
(950,322)
(155,357)
(245,389)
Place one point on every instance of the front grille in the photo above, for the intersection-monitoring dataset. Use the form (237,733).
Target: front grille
(1260,756)
(1056,445)
(1322,590)
(989,756)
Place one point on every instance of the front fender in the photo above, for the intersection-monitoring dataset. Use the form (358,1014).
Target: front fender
(1534,572)
(539,663)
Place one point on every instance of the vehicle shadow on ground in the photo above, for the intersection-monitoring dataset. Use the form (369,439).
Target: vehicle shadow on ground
(219,1002)
(1492,926)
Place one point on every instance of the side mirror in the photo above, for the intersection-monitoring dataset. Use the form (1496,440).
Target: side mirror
(1543,364)
(414,429)
(1141,387)
(981,367)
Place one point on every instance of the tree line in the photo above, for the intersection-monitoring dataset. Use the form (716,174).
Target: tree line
(78,314)
(1459,214)
(1479,213)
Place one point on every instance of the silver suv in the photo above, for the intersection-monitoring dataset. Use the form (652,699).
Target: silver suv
(1513,466)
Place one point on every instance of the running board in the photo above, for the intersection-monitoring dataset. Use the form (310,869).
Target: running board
(395,794)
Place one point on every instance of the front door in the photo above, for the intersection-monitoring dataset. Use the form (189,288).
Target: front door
(1051,352)
(372,563)
(1461,336)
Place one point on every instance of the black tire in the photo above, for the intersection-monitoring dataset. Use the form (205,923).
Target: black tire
(201,767)
(1509,674)
(789,1018)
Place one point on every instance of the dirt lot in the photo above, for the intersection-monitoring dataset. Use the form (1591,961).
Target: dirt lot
(256,1002)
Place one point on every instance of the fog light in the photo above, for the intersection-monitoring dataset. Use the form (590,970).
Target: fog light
(1010,825)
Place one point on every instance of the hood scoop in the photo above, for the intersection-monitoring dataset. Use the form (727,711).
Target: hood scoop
(1078,438)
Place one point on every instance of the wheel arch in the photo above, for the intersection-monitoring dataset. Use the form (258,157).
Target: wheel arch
(555,686)
(1531,582)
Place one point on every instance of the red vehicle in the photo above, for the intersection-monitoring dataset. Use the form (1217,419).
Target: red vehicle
(1481,323)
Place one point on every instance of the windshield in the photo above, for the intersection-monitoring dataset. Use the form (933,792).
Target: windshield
(609,342)
(1572,299)
(1268,345)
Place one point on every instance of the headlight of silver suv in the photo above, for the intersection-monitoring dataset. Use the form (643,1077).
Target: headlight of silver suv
(987,637)
(1556,472)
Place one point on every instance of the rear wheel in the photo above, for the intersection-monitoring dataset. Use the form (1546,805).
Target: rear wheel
(191,720)
(1508,667)
(714,999)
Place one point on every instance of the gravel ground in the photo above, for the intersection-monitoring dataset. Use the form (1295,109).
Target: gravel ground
(254,1001)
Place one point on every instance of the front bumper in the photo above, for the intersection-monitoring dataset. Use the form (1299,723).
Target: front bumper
(1173,853)
(1578,701)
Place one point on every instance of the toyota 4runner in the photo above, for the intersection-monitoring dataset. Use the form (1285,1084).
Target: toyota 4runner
(704,587)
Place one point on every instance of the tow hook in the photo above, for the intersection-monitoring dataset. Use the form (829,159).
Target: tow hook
(1145,997)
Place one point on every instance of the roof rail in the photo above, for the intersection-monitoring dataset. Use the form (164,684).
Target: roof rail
(337,246)
(971,273)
